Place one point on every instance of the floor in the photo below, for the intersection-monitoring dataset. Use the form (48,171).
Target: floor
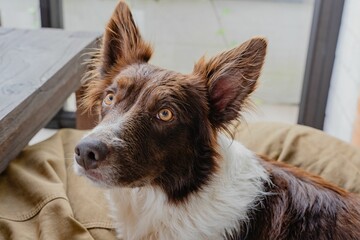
(184,30)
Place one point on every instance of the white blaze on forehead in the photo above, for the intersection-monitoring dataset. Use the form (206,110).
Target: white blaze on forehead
(108,128)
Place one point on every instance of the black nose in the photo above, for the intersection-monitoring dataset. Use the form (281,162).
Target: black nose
(89,152)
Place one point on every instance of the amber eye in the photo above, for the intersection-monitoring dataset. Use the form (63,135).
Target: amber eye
(108,100)
(165,115)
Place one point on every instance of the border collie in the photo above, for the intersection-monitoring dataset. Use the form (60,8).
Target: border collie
(170,171)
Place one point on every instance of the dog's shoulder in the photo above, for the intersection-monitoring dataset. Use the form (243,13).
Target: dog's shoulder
(300,205)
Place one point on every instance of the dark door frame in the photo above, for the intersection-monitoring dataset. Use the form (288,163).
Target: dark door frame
(51,13)
(320,61)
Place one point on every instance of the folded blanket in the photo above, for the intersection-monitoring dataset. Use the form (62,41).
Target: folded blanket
(42,198)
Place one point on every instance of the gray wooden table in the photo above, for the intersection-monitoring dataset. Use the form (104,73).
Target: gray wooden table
(39,69)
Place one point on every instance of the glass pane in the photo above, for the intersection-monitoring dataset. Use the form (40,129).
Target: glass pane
(87,15)
(20,13)
(184,30)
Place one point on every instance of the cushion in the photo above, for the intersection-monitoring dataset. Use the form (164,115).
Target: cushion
(307,148)
(41,197)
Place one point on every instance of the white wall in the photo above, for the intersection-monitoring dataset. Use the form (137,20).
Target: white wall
(345,82)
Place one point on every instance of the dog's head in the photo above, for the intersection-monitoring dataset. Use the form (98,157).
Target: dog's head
(158,127)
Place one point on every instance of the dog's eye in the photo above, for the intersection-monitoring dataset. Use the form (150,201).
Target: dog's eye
(165,115)
(108,100)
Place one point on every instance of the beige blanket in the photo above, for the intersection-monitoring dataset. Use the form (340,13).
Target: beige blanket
(41,197)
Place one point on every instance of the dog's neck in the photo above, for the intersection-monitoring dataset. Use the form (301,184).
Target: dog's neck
(210,213)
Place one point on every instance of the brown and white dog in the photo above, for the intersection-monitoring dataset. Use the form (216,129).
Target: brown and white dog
(172,174)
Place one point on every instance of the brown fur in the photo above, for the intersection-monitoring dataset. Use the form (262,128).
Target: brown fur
(201,102)
(180,156)
(302,206)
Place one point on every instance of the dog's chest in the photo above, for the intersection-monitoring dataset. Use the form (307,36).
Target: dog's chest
(145,213)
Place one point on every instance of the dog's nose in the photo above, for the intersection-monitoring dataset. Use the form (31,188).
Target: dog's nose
(89,152)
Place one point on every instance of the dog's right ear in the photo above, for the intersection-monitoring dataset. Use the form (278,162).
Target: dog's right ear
(122,42)
(230,78)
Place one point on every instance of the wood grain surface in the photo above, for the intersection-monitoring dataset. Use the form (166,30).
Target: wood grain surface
(39,69)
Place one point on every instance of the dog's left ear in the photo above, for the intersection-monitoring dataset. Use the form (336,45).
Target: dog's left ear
(231,76)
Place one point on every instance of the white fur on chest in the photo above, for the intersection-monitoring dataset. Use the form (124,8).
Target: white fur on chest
(144,213)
